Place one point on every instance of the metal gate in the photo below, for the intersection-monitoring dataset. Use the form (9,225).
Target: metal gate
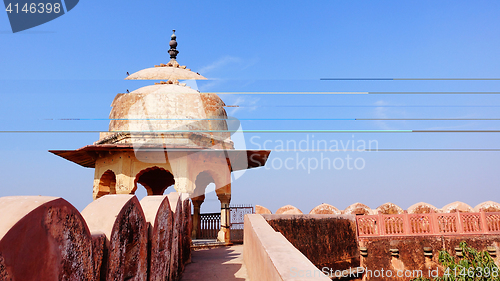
(237,216)
(210,223)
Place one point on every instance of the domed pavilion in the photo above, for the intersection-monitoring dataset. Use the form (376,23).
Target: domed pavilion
(167,134)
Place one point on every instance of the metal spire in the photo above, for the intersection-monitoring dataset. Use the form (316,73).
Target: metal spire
(173,45)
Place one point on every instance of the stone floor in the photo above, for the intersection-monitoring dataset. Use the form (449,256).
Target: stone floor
(222,263)
(207,243)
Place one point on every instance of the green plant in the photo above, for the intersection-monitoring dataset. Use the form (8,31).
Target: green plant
(474,265)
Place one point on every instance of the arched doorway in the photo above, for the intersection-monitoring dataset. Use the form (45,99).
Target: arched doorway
(218,223)
(107,184)
(200,229)
(155,179)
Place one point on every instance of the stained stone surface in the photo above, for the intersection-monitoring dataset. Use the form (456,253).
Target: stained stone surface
(171,108)
(159,218)
(176,207)
(121,219)
(98,243)
(43,238)
(326,240)
(187,228)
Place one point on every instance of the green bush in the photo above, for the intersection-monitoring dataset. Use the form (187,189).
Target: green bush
(474,265)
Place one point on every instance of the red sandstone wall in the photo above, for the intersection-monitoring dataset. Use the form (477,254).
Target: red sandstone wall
(411,257)
(326,240)
(46,238)
(331,241)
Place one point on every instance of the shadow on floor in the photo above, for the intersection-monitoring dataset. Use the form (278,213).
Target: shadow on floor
(223,263)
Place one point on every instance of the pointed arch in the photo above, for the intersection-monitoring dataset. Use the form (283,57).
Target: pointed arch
(203,179)
(155,179)
(107,184)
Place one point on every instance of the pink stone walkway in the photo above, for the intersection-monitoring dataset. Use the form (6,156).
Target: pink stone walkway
(223,263)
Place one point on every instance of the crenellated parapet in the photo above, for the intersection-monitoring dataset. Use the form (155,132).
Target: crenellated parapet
(109,240)
(288,209)
(324,209)
(358,209)
(46,235)
(387,209)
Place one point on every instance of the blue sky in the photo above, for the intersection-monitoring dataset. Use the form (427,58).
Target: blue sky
(73,66)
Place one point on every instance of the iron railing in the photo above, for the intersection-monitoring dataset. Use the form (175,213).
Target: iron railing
(209,225)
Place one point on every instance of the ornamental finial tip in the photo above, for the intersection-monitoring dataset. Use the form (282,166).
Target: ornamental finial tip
(173,45)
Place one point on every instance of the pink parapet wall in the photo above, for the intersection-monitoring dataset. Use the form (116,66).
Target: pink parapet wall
(268,255)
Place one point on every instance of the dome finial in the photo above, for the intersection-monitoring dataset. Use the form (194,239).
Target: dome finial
(173,45)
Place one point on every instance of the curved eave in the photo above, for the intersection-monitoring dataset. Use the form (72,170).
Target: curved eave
(165,73)
(237,159)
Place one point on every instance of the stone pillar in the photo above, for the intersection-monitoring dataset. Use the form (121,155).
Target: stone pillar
(180,163)
(225,218)
(123,184)
(197,201)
